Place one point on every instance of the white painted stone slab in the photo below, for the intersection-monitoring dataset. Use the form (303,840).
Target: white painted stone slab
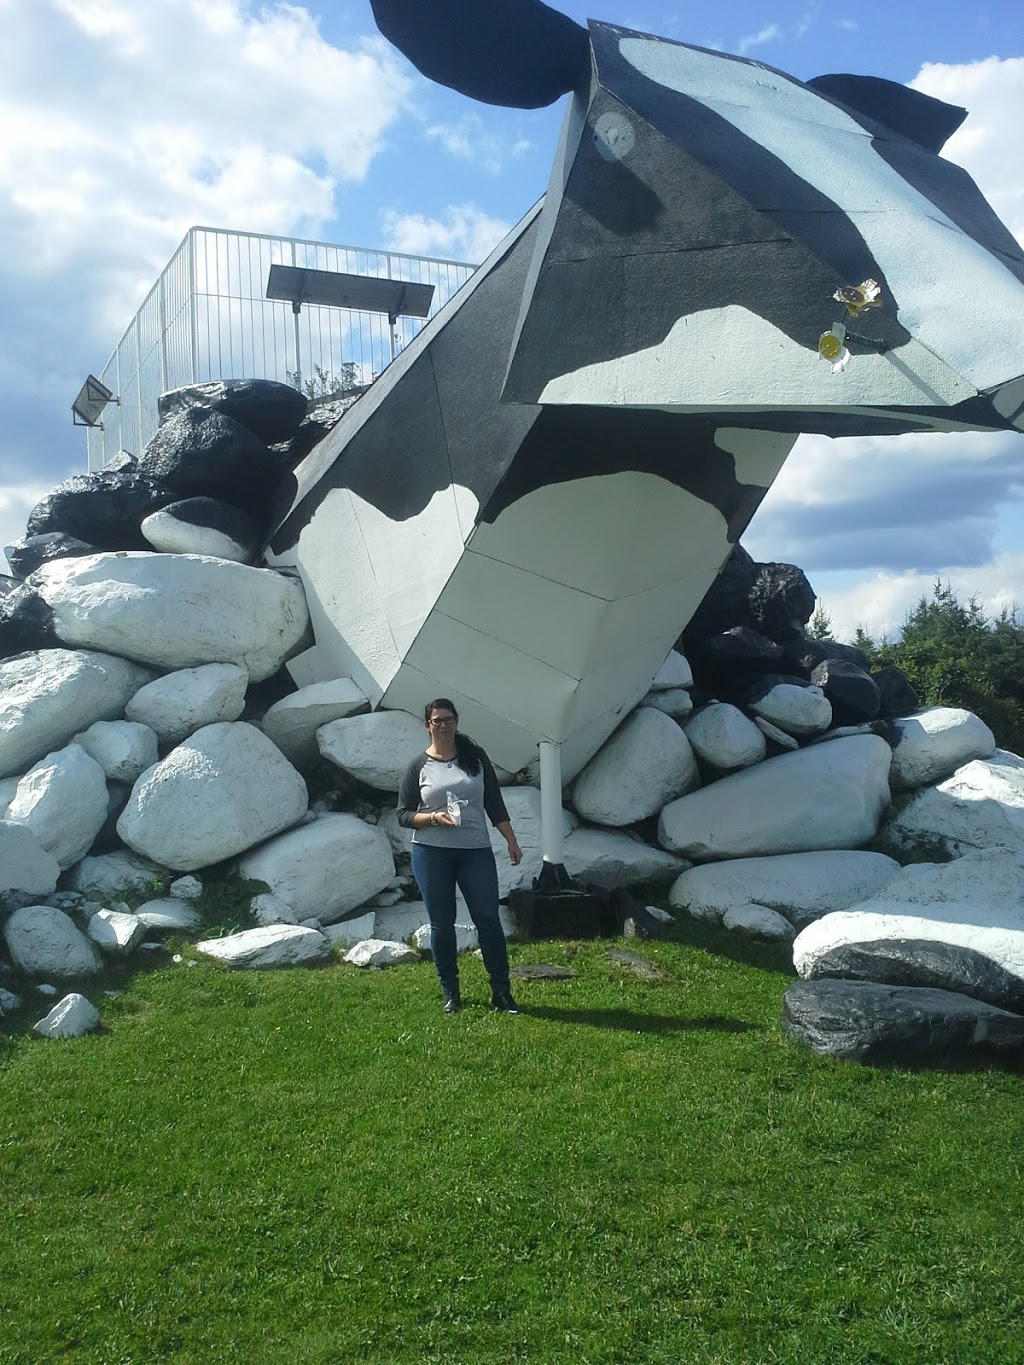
(107,876)
(28,872)
(777,736)
(168,915)
(375,952)
(724,737)
(179,703)
(348,932)
(123,748)
(829,796)
(221,792)
(48,696)
(175,611)
(980,807)
(324,869)
(675,672)
(645,764)
(612,859)
(934,742)
(758,921)
(292,723)
(797,710)
(277,945)
(116,933)
(800,885)
(45,942)
(70,1018)
(376,748)
(63,801)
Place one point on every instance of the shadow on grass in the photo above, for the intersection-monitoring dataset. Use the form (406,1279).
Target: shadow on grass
(630,1022)
(712,938)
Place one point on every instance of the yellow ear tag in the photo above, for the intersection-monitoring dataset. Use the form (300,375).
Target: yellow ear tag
(830,347)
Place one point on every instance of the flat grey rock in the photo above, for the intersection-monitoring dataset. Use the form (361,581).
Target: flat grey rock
(633,962)
(541,971)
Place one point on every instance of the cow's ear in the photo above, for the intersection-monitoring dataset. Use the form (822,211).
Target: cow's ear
(518,53)
(926,121)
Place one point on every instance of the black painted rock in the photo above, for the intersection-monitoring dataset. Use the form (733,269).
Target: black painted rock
(727,663)
(781,601)
(896,693)
(204,526)
(725,603)
(321,419)
(853,693)
(866,1022)
(26,554)
(271,411)
(925,962)
(804,656)
(104,509)
(632,918)
(26,623)
(203,454)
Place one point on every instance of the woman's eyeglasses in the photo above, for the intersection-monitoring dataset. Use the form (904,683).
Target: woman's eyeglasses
(439,721)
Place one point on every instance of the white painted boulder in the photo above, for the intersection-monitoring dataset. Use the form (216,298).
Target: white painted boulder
(185,888)
(981,806)
(70,1018)
(725,738)
(224,790)
(202,526)
(168,915)
(803,886)
(180,703)
(116,933)
(774,735)
(48,696)
(276,945)
(8,788)
(794,709)
(375,952)
(675,702)
(758,921)
(124,749)
(933,743)
(325,869)
(293,721)
(829,796)
(645,764)
(348,932)
(63,802)
(613,859)
(400,923)
(175,611)
(270,909)
(28,872)
(107,876)
(375,748)
(45,942)
(674,673)
(467,940)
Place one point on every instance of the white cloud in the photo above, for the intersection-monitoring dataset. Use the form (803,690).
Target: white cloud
(993,92)
(471,140)
(768,34)
(468,234)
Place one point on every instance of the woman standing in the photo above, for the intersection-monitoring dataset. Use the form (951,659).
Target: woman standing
(447,795)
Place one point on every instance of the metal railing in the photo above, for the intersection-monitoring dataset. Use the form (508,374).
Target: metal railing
(207,317)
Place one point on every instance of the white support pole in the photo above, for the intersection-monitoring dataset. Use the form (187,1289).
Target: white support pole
(551,802)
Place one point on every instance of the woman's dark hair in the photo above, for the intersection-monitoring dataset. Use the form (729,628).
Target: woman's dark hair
(467,752)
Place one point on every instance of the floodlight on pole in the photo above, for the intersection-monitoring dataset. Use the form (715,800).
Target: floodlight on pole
(92,398)
(360,293)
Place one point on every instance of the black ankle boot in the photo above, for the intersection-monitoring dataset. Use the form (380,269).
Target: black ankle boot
(452,1002)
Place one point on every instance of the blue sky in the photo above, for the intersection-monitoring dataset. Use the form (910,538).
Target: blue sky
(124,125)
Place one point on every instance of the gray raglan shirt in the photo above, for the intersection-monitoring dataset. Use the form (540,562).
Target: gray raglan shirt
(425,787)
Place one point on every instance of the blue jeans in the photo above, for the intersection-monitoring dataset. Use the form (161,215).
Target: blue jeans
(437,872)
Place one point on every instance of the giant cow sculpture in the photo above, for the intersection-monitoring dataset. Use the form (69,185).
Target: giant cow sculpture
(526,508)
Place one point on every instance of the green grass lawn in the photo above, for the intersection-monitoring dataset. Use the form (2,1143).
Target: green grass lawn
(317,1166)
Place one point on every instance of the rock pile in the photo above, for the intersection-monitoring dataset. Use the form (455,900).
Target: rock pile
(147,730)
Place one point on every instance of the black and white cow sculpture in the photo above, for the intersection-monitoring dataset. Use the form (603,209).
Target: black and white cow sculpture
(527,507)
